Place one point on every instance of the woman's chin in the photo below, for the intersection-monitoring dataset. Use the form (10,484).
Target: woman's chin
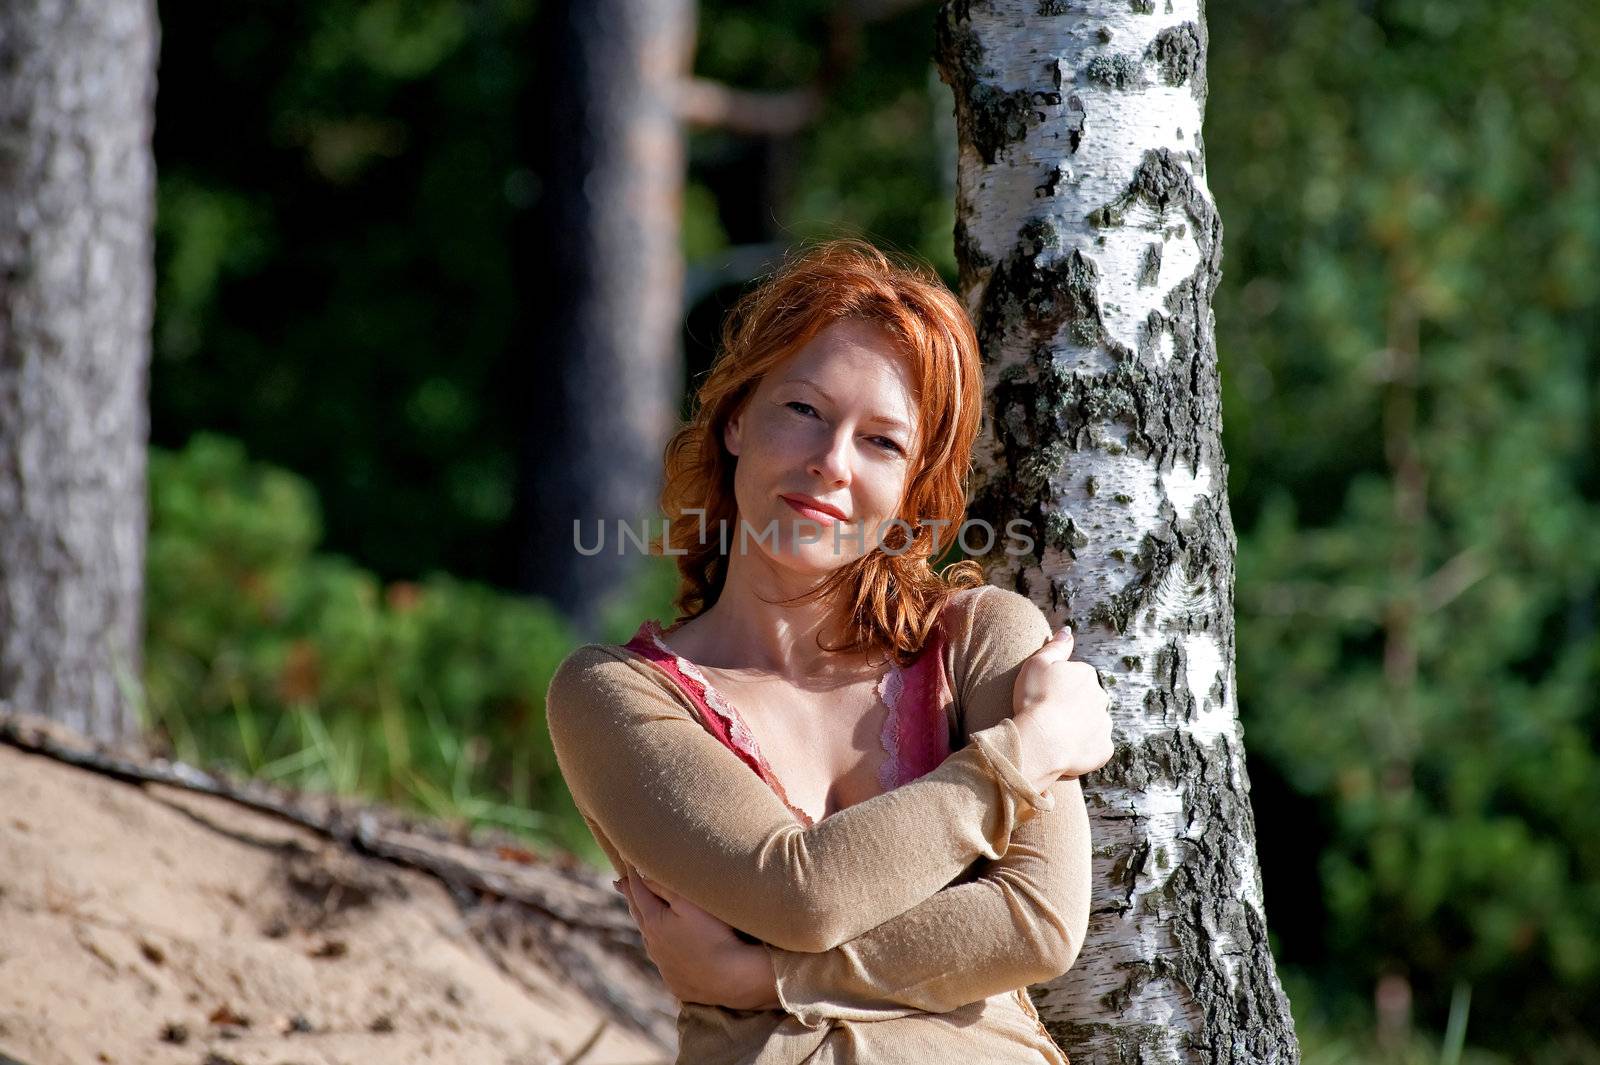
(811,560)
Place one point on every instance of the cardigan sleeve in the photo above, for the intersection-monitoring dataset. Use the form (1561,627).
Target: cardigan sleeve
(1020,921)
(662,794)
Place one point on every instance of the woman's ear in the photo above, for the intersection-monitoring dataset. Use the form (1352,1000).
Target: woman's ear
(730,433)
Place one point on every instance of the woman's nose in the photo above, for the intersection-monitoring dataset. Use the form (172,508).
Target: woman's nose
(833,463)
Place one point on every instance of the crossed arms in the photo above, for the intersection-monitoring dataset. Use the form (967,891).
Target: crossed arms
(859,912)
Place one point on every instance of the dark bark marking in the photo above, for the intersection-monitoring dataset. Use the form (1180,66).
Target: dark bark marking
(1038,288)
(1163,184)
(1130,1044)
(1062,533)
(970,258)
(1170,699)
(987,116)
(1058,176)
(1125,874)
(1077,121)
(1201,549)
(1120,71)
(1217,694)
(1150,265)
(1179,53)
(996,118)
(1031,453)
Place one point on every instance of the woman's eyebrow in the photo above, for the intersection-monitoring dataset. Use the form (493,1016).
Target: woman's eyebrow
(881,419)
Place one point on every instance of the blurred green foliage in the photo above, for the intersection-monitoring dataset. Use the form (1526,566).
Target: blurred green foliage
(337,180)
(302,668)
(1408,332)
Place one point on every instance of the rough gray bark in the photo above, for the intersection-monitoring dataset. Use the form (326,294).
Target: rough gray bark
(1089,248)
(77,181)
(607,272)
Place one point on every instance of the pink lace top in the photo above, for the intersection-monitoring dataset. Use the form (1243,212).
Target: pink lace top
(915,734)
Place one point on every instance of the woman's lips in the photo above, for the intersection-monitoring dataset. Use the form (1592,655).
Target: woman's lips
(822,517)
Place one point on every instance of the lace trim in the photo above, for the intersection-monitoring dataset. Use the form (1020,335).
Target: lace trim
(736,727)
(890,688)
(898,766)
(738,731)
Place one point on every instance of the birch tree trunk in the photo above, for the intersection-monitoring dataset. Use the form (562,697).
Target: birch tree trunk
(1089,248)
(77,181)
(605,270)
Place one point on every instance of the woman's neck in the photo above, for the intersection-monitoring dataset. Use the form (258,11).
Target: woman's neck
(749,628)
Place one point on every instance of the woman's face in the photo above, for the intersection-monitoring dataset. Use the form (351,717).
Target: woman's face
(835,424)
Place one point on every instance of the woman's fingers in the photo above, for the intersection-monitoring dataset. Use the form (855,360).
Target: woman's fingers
(645,901)
(635,895)
(1058,647)
(661,891)
(633,911)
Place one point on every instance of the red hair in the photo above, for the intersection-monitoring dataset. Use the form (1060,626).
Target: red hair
(890,598)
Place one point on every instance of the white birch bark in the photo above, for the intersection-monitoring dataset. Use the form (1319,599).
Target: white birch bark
(77,181)
(1089,248)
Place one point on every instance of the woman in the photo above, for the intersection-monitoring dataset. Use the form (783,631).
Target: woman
(839,789)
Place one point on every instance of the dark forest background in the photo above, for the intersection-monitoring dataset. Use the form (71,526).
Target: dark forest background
(1408,330)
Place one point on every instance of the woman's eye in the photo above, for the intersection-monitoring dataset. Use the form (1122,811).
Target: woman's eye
(806,410)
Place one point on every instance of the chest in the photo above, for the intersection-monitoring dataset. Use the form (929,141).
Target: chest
(825,747)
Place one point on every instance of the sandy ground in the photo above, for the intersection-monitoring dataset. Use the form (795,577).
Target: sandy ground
(154,925)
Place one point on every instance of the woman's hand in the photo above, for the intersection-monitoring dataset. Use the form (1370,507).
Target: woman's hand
(1062,712)
(700,957)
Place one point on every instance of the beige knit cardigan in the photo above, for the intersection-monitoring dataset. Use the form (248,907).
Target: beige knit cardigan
(903,928)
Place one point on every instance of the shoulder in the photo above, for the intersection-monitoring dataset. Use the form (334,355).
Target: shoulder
(989,631)
(989,610)
(601,678)
(585,660)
